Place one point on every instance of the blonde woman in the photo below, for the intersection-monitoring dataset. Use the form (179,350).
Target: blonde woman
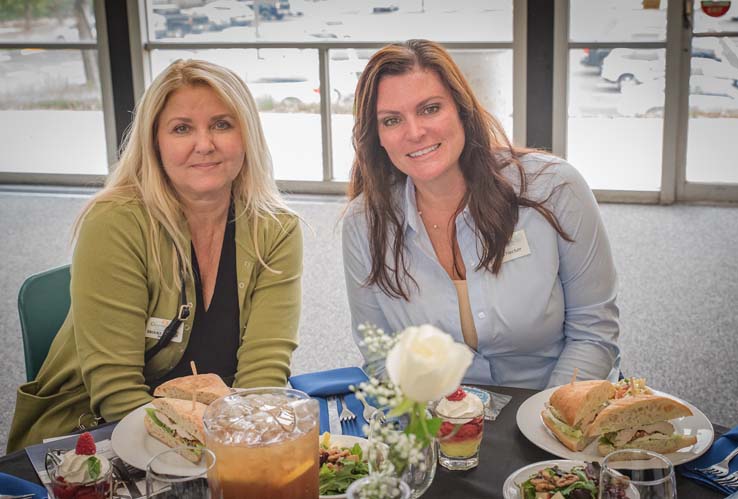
(188,253)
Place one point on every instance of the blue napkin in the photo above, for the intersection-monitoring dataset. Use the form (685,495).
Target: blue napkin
(719,449)
(335,382)
(15,486)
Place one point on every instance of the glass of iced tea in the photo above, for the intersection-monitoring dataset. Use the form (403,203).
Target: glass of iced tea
(265,442)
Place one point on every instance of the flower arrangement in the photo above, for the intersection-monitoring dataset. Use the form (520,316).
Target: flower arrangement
(421,364)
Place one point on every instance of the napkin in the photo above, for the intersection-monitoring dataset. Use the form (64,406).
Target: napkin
(334,382)
(719,449)
(13,486)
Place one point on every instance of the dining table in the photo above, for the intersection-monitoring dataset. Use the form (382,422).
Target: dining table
(504,450)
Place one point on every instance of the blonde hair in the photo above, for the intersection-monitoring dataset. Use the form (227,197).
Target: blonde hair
(139,175)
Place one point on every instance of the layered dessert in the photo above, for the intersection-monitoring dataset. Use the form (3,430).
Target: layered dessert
(82,473)
(463,421)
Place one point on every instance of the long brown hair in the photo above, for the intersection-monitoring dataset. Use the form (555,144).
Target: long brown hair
(491,198)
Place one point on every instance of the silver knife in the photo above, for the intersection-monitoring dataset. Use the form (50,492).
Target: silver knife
(334,425)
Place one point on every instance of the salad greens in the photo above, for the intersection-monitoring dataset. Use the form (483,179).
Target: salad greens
(336,476)
(554,483)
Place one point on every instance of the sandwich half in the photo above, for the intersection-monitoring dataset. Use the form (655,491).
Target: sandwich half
(176,424)
(207,388)
(640,422)
(572,408)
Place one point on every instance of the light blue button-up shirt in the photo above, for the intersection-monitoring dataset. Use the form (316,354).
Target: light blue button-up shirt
(540,317)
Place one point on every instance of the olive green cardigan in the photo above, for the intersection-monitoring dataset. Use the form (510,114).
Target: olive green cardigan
(96,363)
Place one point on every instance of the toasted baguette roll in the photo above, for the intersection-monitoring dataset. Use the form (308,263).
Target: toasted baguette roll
(638,410)
(663,444)
(572,438)
(159,433)
(183,415)
(207,388)
(577,404)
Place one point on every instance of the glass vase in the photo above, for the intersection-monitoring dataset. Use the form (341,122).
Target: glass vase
(418,476)
(378,486)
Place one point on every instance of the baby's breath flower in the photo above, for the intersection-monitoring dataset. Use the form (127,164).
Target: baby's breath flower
(392,449)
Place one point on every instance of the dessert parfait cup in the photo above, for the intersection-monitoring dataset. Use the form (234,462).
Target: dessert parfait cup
(459,439)
(100,488)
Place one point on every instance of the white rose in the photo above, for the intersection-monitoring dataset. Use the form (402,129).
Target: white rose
(427,363)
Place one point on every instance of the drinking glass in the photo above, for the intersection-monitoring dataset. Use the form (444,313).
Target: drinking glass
(418,476)
(372,486)
(459,440)
(171,476)
(266,444)
(637,473)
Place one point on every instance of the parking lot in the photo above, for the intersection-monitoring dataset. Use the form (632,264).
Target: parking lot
(286,86)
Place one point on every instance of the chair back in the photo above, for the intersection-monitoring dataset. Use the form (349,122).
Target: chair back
(43,304)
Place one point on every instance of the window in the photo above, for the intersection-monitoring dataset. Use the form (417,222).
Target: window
(279,46)
(51,118)
(616,82)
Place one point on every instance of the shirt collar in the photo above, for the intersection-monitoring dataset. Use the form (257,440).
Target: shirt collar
(412,219)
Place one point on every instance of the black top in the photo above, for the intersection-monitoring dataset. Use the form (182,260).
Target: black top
(215,338)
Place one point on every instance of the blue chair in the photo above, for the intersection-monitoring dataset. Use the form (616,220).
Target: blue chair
(43,304)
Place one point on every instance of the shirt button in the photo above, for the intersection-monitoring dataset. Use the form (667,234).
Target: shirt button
(186,328)
(241,285)
(481,315)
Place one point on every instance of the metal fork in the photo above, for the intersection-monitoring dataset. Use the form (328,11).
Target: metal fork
(370,411)
(346,414)
(729,480)
(719,470)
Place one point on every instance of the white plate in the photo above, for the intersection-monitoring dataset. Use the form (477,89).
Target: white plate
(134,445)
(346,441)
(510,489)
(531,425)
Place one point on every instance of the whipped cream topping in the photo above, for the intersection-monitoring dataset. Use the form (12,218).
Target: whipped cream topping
(465,409)
(74,469)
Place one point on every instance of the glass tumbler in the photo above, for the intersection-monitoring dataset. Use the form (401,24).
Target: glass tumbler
(637,473)
(266,444)
(171,476)
(459,439)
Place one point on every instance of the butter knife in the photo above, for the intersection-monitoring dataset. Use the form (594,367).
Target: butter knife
(334,424)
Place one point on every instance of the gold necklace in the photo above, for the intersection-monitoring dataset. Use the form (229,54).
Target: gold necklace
(435,226)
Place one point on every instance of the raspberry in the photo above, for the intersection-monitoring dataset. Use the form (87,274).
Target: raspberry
(85,445)
(459,394)
(467,430)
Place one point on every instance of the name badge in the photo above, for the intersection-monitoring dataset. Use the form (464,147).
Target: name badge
(155,328)
(517,247)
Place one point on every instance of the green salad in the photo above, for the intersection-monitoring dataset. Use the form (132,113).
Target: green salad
(554,483)
(340,466)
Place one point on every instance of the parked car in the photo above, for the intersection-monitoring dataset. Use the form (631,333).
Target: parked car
(383,6)
(594,57)
(218,19)
(177,23)
(239,13)
(708,96)
(627,67)
(285,93)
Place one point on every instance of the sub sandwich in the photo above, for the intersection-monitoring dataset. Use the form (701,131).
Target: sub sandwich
(640,422)
(573,407)
(177,423)
(206,387)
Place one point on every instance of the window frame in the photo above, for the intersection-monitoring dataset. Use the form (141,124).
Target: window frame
(106,86)
(142,48)
(674,186)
